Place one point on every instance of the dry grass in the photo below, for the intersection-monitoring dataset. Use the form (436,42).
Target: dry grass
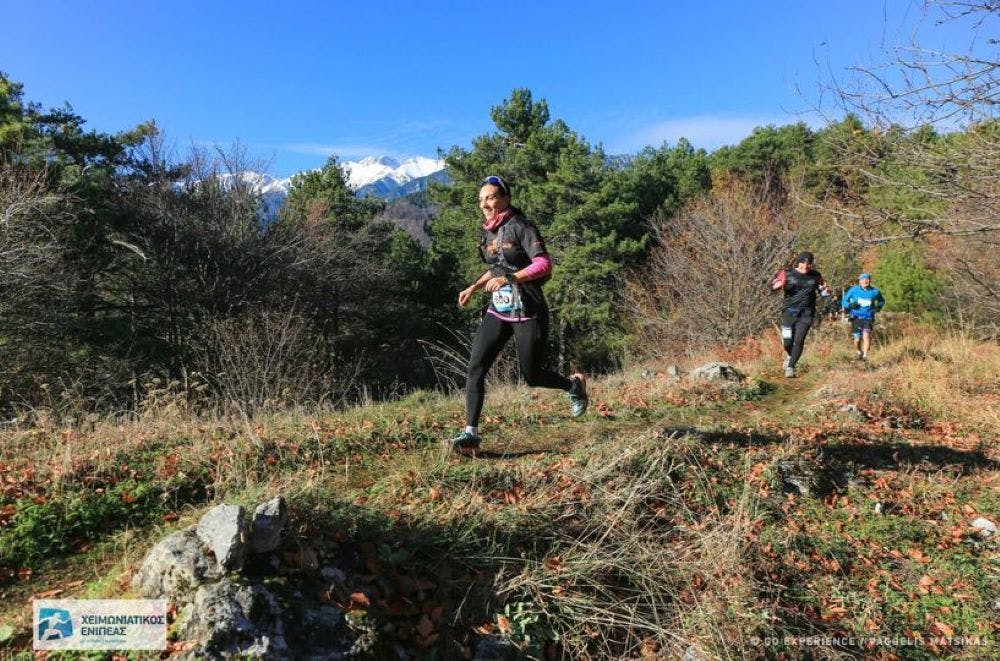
(947,379)
(954,379)
(630,569)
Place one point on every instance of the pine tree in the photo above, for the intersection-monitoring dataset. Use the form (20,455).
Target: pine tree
(325,194)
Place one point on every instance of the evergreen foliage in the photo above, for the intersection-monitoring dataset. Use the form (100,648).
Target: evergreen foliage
(906,280)
(324,193)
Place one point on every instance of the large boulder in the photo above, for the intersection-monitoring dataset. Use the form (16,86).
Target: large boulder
(225,609)
(175,568)
(224,530)
(233,619)
(268,523)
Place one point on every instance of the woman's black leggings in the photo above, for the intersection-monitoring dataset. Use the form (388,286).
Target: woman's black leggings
(529,336)
(793,335)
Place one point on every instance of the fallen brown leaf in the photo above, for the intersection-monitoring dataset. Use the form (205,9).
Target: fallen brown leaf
(358,600)
(503,624)
(425,627)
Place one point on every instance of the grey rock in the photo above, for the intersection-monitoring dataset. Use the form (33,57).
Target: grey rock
(717,372)
(230,619)
(675,371)
(803,483)
(494,648)
(797,478)
(224,530)
(852,411)
(174,568)
(986,527)
(817,479)
(269,520)
(320,631)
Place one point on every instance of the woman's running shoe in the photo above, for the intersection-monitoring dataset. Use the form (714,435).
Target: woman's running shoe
(464,442)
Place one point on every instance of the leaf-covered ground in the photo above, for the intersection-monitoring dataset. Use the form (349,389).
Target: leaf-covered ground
(827,516)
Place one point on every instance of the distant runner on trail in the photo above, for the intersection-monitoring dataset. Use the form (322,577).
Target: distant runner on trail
(518,267)
(862,301)
(800,285)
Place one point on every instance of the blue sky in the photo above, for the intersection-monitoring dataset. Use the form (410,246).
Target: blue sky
(298,81)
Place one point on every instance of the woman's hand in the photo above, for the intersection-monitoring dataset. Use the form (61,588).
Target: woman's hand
(465,295)
(493,284)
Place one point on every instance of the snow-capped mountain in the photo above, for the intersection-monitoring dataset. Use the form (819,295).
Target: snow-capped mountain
(379,177)
(371,170)
(272,190)
(382,177)
(264,184)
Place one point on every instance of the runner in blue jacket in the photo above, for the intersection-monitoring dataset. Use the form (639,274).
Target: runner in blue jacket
(862,301)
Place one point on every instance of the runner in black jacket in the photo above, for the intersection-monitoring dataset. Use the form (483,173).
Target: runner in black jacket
(800,285)
(518,267)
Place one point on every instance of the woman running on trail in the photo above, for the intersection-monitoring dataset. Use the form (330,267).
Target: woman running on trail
(518,267)
(798,307)
(862,301)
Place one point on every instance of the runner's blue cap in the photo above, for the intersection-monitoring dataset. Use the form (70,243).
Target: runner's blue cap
(865,276)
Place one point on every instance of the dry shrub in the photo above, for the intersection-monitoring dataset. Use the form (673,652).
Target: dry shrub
(749,350)
(972,272)
(450,362)
(707,278)
(266,359)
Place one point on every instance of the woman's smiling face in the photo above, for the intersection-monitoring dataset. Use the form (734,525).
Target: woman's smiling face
(492,201)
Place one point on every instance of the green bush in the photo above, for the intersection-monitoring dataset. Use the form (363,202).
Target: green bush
(44,528)
(906,280)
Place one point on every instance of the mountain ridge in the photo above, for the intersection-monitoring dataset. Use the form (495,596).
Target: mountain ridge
(380,176)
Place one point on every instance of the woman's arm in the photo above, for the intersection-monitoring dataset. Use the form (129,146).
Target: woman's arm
(466,294)
(539,267)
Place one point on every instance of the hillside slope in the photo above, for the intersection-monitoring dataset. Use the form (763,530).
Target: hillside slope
(824,515)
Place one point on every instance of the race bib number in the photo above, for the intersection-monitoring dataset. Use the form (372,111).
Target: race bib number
(503,299)
(864,302)
(786,332)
